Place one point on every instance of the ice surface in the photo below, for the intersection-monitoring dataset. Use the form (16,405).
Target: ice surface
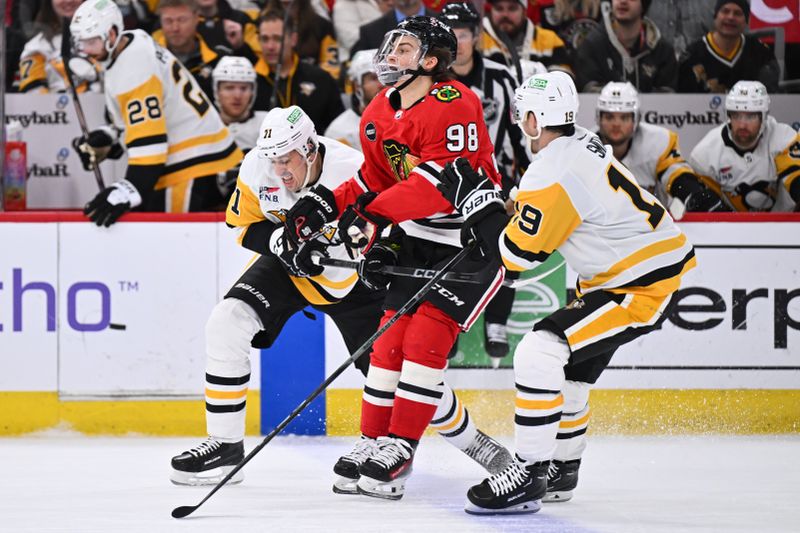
(627,484)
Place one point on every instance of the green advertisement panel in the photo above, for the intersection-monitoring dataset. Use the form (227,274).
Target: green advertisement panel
(532,302)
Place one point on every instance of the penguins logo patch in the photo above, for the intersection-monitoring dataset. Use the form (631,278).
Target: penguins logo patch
(370,132)
(446,93)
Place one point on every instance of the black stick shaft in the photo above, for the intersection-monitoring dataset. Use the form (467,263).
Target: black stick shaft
(183,511)
(409,272)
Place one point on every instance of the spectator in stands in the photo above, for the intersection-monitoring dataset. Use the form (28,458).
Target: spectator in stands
(228,31)
(346,127)
(682,22)
(507,29)
(350,15)
(302,84)
(315,41)
(752,159)
(40,66)
(179,20)
(628,47)
(572,20)
(234,81)
(651,152)
(726,55)
(371,35)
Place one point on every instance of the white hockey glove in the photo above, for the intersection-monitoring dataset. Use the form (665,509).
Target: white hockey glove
(112,202)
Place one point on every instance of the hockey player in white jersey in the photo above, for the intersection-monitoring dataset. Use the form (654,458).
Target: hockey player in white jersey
(752,159)
(650,152)
(288,159)
(577,198)
(175,141)
(345,127)
(234,85)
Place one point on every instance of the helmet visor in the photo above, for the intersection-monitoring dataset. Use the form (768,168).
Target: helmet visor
(401,53)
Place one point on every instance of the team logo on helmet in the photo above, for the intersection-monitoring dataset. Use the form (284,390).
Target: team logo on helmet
(294,116)
(537,83)
(446,93)
(401,162)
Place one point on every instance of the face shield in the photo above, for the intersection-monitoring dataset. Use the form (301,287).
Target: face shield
(400,54)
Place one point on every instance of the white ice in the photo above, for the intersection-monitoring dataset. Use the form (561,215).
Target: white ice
(57,482)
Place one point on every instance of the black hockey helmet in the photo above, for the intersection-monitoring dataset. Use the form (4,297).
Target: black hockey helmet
(461,15)
(431,33)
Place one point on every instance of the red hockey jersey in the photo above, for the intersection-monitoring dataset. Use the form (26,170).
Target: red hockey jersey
(404,151)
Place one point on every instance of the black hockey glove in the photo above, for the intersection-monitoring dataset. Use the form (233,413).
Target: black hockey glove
(358,228)
(297,258)
(369,270)
(310,213)
(97,146)
(112,202)
(692,195)
(473,195)
(758,196)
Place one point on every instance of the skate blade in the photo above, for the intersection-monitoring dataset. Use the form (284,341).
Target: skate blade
(209,477)
(559,496)
(386,490)
(345,485)
(522,508)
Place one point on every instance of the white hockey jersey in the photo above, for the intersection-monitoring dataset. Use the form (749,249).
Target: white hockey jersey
(246,133)
(770,168)
(577,198)
(655,160)
(42,70)
(344,129)
(165,117)
(260,195)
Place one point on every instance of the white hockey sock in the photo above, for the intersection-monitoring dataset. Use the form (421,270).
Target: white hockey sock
(452,421)
(571,437)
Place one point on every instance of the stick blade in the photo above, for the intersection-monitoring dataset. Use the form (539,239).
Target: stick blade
(183,511)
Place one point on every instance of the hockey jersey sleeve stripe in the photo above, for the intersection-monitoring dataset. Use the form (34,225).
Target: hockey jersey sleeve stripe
(146,160)
(430,171)
(517,259)
(221,135)
(201,166)
(146,141)
(648,252)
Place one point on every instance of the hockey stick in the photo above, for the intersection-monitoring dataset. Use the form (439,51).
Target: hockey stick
(66,53)
(186,510)
(462,277)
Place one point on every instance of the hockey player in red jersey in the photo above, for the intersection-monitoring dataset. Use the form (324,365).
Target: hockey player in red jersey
(408,132)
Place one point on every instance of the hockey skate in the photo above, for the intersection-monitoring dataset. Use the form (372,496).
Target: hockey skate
(208,463)
(347,466)
(488,453)
(496,342)
(516,490)
(384,474)
(562,478)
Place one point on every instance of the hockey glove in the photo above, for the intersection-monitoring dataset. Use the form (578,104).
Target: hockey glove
(758,196)
(305,220)
(692,195)
(97,146)
(296,258)
(358,228)
(369,270)
(112,202)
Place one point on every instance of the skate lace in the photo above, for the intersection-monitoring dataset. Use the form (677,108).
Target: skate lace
(497,333)
(207,446)
(508,479)
(391,451)
(362,451)
(552,471)
(482,449)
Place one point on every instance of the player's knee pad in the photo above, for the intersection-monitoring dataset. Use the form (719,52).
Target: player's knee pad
(229,330)
(429,337)
(576,396)
(387,351)
(539,360)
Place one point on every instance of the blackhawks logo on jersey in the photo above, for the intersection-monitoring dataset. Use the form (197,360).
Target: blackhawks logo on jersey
(446,93)
(400,161)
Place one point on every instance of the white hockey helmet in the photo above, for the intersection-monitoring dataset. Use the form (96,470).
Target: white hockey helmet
(618,97)
(748,96)
(551,96)
(287,129)
(360,65)
(236,69)
(95,18)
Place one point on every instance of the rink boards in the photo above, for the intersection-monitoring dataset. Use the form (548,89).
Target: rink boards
(102,331)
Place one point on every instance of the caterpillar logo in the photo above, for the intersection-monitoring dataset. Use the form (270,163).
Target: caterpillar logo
(446,93)
(400,161)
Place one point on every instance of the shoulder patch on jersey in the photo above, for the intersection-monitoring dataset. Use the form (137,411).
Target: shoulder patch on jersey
(446,93)
(370,131)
